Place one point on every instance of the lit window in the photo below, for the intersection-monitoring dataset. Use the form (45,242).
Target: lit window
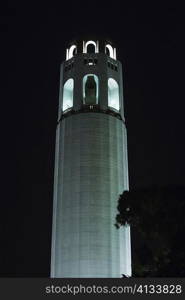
(72,51)
(90,61)
(110,51)
(107,51)
(113,94)
(68,94)
(90,89)
(90,47)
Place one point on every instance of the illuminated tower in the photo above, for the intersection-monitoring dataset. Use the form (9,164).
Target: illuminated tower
(91,168)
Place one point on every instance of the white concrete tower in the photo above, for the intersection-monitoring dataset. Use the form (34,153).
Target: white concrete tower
(91,168)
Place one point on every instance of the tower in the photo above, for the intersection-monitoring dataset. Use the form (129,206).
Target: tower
(91,167)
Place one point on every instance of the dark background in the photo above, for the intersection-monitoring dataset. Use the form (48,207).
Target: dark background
(150,44)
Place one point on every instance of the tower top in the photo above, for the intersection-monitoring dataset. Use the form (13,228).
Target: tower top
(91,46)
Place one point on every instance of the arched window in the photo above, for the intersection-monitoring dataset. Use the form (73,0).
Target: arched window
(90,47)
(113,94)
(109,51)
(90,89)
(68,94)
(72,51)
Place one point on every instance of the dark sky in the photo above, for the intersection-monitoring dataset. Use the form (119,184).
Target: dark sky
(150,44)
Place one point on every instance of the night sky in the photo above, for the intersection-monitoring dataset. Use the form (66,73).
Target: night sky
(150,44)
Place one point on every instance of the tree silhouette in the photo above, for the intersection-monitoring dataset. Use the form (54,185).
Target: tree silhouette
(156,216)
